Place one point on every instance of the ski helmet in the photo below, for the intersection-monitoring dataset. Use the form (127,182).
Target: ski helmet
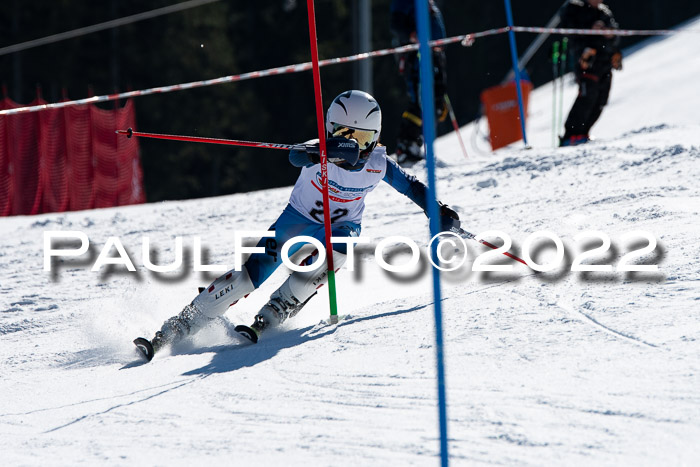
(355,114)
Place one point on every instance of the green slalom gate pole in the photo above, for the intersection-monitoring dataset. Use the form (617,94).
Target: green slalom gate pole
(555,72)
(562,60)
(324,160)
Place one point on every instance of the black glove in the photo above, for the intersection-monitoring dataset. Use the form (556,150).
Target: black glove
(448,217)
(339,150)
(445,210)
(314,154)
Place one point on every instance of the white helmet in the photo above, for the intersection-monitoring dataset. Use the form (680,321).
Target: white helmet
(355,114)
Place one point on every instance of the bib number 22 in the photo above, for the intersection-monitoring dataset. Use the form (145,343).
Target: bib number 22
(317,213)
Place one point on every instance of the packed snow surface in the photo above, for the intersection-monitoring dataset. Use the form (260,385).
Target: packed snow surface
(556,368)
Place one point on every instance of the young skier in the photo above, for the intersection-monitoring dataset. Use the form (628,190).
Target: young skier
(409,144)
(596,57)
(353,121)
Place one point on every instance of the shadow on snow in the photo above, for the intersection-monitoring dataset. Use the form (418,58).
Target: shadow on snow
(232,358)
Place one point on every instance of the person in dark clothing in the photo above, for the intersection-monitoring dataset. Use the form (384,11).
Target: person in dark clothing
(409,146)
(596,57)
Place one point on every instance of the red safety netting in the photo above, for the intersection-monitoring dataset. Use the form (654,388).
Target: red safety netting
(67,159)
(5,180)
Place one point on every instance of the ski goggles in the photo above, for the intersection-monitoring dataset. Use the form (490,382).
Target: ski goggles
(364,138)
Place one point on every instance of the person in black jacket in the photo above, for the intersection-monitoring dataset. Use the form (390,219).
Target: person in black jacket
(409,145)
(596,56)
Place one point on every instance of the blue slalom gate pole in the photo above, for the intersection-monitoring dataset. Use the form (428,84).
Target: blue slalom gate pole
(516,69)
(429,125)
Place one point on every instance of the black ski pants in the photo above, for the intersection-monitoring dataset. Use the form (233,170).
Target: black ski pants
(593,94)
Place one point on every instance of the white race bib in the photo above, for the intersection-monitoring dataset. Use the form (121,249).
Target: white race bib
(347,190)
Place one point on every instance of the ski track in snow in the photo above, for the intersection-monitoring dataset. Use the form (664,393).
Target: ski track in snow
(549,368)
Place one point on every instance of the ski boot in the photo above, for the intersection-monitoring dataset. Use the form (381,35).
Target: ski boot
(253,331)
(212,302)
(187,322)
(574,140)
(282,305)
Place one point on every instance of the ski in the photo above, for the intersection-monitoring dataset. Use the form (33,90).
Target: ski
(145,348)
(146,351)
(247,332)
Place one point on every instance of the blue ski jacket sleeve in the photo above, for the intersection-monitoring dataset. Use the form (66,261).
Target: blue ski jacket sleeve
(299,158)
(406,184)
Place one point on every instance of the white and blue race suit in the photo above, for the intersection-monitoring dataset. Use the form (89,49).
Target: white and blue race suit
(347,190)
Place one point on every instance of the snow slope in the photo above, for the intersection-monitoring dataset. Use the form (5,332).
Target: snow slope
(559,368)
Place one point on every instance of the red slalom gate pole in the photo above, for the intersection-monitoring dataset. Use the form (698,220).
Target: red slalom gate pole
(196,139)
(313,40)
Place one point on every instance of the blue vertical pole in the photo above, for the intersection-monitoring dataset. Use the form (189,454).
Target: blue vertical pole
(429,124)
(516,69)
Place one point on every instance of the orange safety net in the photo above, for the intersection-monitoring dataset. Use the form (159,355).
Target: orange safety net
(67,159)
